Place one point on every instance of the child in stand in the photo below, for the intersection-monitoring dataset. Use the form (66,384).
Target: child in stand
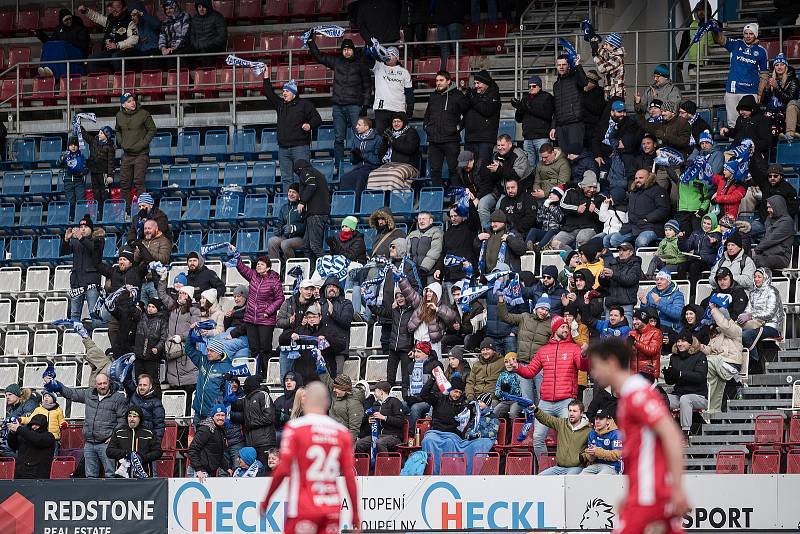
(729,193)
(55,415)
(549,216)
(76,171)
(701,247)
(613,214)
(571,261)
(668,255)
(654,112)
(101,161)
(508,382)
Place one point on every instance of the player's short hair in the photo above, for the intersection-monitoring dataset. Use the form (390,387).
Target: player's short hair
(579,404)
(611,348)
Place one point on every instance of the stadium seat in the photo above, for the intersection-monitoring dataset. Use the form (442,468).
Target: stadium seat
(7,467)
(225,8)
(325,166)
(216,143)
(24,150)
(174,81)
(198,209)
(318,77)
(50,18)
(206,177)
(28,19)
(730,462)
(248,240)
(47,247)
(494,34)
(174,402)
(792,48)
(97,87)
(426,69)
(8,91)
(45,343)
(161,146)
(765,462)
(360,462)
(324,140)
(50,149)
(6,22)
(788,154)
(126,83)
(250,9)
(16,343)
(180,177)
(189,145)
(242,43)
(244,142)
(388,464)
(371,200)
(283,74)
(7,214)
(20,248)
(165,466)
(75,95)
(154,179)
(768,431)
(113,212)
(256,207)
(452,463)
(330,7)
(18,54)
(188,241)
(205,82)
(272,42)
(431,199)
(40,183)
(235,174)
(30,215)
(401,201)
(343,203)
(84,207)
(269,141)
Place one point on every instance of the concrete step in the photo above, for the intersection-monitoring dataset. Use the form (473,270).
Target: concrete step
(772,367)
(758,404)
(708,440)
(773,379)
(727,428)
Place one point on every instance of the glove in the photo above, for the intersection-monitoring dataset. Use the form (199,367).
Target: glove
(229,399)
(594,42)
(80,329)
(176,338)
(54,386)
(109,180)
(516,103)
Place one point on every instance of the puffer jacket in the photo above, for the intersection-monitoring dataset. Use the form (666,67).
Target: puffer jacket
(482,118)
(292,307)
(532,332)
(535,113)
(445,409)
(291,117)
(134,131)
(568,94)
(728,195)
(101,155)
(23,408)
(290,223)
(401,339)
(209,378)
(404,144)
(366,148)
(699,243)
(349,410)
(35,449)
(445,314)
(352,85)
(669,251)
(209,33)
(265,297)
(549,175)
(674,133)
(383,240)
(777,99)
(181,370)
(140,440)
(84,270)
(425,247)
(258,411)
(765,302)
(483,376)
(354,249)
(507,382)
(559,362)
(175,30)
(727,343)
(688,371)
(742,267)
(443,115)
(623,285)
(573,219)
(152,412)
(646,348)
(337,313)
(102,416)
(757,127)
(151,333)
(207,451)
(776,245)
(648,209)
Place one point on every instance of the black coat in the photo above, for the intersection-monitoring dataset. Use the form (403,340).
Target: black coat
(573,220)
(648,209)
(445,410)
(204,278)
(306,364)
(482,119)
(354,249)
(209,33)
(400,339)
(568,94)
(101,156)
(405,148)
(153,213)
(623,286)
(379,19)
(447,11)
(139,440)
(352,84)
(314,192)
(782,188)
(757,127)
(689,373)
(258,412)
(535,113)
(84,269)
(396,417)
(291,117)
(443,115)
(77,35)
(35,449)
(152,412)
(151,333)
(133,276)
(739,301)
(520,212)
(207,451)
(458,240)
(594,102)
(340,314)
(427,377)
(282,407)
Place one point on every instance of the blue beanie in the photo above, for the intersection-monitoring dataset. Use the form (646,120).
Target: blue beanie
(672,223)
(535,80)
(291,86)
(705,137)
(661,70)
(248,455)
(730,166)
(780,58)
(614,39)
(543,302)
(218,408)
(125,96)
(108,131)
(146,198)
(216,345)
(182,279)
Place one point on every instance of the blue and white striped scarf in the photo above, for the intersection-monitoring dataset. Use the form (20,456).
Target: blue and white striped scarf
(501,255)
(451,260)
(328,30)
(461,195)
(333,265)
(379,51)
(741,157)
(611,131)
(76,126)
(704,28)
(469,294)
(668,157)
(395,135)
(257,67)
(721,250)
(119,369)
(211,247)
(250,472)
(698,169)
(298,274)
(137,469)
(569,51)
(109,302)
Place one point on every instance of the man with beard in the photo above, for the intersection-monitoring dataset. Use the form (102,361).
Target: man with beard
(567,91)
(508,162)
(292,312)
(616,325)
(518,207)
(457,241)
(134,439)
(201,277)
(547,284)
(386,231)
(306,364)
(482,118)
(648,210)
(620,279)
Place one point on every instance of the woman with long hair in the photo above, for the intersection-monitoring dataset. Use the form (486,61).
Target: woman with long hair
(297,407)
(431,315)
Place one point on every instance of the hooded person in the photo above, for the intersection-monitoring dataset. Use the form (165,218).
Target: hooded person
(282,406)
(311,326)
(347,406)
(588,301)
(533,329)
(688,372)
(174,35)
(208,31)
(702,245)
(764,315)
(386,231)
(258,420)
(692,321)
(775,248)
(134,441)
(337,315)
(34,446)
(725,283)
(150,340)
(432,314)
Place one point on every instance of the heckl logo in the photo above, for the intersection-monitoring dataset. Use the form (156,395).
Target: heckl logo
(16,515)
(211,515)
(598,515)
(444,498)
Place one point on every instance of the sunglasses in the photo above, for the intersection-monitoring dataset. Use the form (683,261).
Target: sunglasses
(532,85)
(772,174)
(392,246)
(547,277)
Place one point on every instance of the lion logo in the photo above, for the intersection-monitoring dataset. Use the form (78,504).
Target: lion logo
(598,515)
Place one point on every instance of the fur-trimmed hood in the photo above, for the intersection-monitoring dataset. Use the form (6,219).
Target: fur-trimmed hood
(385,213)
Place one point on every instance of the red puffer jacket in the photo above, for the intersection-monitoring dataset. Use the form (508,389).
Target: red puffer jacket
(265,296)
(561,361)
(647,348)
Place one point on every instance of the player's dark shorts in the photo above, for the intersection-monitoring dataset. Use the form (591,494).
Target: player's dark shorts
(318,524)
(636,519)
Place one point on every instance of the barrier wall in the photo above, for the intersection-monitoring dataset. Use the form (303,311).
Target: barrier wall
(181,506)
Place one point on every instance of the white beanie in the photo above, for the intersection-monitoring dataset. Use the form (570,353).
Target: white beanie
(210,295)
(189,290)
(753,27)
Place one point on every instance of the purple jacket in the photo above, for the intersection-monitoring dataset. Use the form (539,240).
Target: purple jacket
(265,297)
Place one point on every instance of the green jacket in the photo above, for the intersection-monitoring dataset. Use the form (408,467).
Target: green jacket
(669,252)
(571,440)
(532,334)
(693,196)
(483,376)
(134,131)
(548,176)
(348,410)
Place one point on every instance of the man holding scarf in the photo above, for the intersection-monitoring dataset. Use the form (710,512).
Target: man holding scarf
(390,414)
(135,448)
(499,246)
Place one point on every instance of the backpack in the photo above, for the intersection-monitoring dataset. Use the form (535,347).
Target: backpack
(415,465)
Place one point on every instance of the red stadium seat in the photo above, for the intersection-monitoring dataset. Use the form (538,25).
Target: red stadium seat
(361,462)
(388,464)
(2,58)
(75,93)
(296,44)
(242,43)
(519,463)
(432,34)
(452,463)
(471,31)
(772,47)
(225,8)
(422,426)
(546,461)
(485,463)
(165,466)
(250,9)
(494,34)
(427,69)
(276,9)
(768,430)
(271,42)
(282,74)
(304,8)
(317,76)
(326,43)
(205,82)
(97,87)
(44,90)
(356,37)
(50,18)
(793,462)
(730,463)
(72,436)
(19,54)
(6,21)
(151,83)
(793,435)
(170,440)
(62,467)
(173,80)
(793,48)
(463,68)
(7,468)
(330,7)
(128,83)
(516,428)
(28,19)
(765,462)
(8,91)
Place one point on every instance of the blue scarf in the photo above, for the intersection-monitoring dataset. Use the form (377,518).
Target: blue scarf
(513,292)
(610,137)
(211,247)
(257,67)
(569,51)
(698,168)
(119,369)
(704,28)
(76,126)
(741,158)
(298,274)
(451,260)
(461,195)
(472,293)
(378,51)
(250,472)
(337,265)
(109,302)
(588,30)
(374,431)
(501,255)
(137,469)
(668,157)
(328,30)
(721,300)
(417,377)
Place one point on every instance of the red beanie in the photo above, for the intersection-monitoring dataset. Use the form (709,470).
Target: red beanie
(556,322)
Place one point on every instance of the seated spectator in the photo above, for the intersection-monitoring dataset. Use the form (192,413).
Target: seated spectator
(740,266)
(648,210)
(401,341)
(581,206)
(292,313)
(603,453)
(588,302)
(120,33)
(207,450)
(208,31)
(457,365)
(135,447)
(257,418)
(775,248)
(548,221)
(420,372)
(764,316)
(645,341)
(552,170)
(726,284)
(619,280)
(148,26)
(173,39)
(291,227)
(613,214)
(752,124)
(147,400)
(457,241)
(661,88)
(401,142)
(52,411)
(508,382)
(273,459)
(315,202)
(725,358)
(668,254)
(688,372)
(535,112)
(391,415)
(148,211)
(507,162)
(424,245)
(350,242)
(533,329)
(580,160)
(591,260)
(729,194)
(673,130)
(446,406)
(616,325)
(520,211)
(69,40)
(365,154)
(282,407)
(483,423)
(499,237)
(571,261)
(691,321)
(693,196)
(701,248)
(654,112)
(573,432)
(431,314)
(386,232)
(337,316)
(774,185)
(248,465)
(35,447)
(483,376)
(548,284)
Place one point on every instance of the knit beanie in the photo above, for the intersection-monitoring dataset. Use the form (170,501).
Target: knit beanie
(735,238)
(210,295)
(614,39)
(350,222)
(125,97)
(218,408)
(146,198)
(689,107)
(663,273)
(483,76)
(127,253)
(14,389)
(456,382)
(672,223)
(543,302)
(216,345)
(291,86)
(189,290)
(248,455)
(705,137)
(662,70)
(753,27)
(181,278)
(556,322)
(399,245)
(343,382)
(485,398)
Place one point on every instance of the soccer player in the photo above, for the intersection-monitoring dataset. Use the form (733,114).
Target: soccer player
(653,446)
(315,450)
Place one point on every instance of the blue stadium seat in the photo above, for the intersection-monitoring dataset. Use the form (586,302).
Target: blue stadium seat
(248,240)
(83,207)
(269,140)
(344,167)
(188,241)
(171,206)
(325,139)
(24,151)
(206,176)
(219,236)
(154,179)
(228,207)
(235,174)
(369,235)
(114,211)
(325,166)
(110,246)
(30,215)
(508,126)
(198,209)
(189,145)
(216,143)
(431,199)
(256,207)
(58,214)
(21,248)
(278,203)
(423,135)
(50,149)
(161,146)
(264,175)
(372,200)
(705,114)
(343,203)
(401,201)
(41,183)
(180,177)
(47,247)
(7,215)
(788,154)
(244,142)
(14,184)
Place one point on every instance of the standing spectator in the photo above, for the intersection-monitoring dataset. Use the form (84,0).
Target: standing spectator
(201,278)
(181,371)
(315,204)
(764,316)
(535,112)
(134,130)
(725,359)
(548,283)
(484,373)
(533,333)
(76,169)
(257,418)
(52,411)
(401,341)
(508,382)
(648,210)
(337,316)
(151,335)
(120,35)
(391,414)
(415,16)
(457,241)
(552,170)
(431,314)
(207,450)
(567,91)
(620,279)
(208,31)
(365,155)
(573,433)
(443,118)
(379,19)
(693,197)
(160,248)
(394,92)
(748,68)
(581,206)
(291,226)
(347,407)
(645,341)
(264,299)
(604,446)
(688,371)
(493,239)
(424,245)
(148,27)
(282,407)
(84,278)
(69,40)
(482,118)
(702,245)
(148,211)
(352,89)
(775,248)
(211,367)
(134,439)
(419,375)
(101,162)
(292,312)
(147,399)
(461,330)
(173,39)
(609,57)
(297,119)
(448,15)
(35,447)
(106,409)
(594,104)
(619,143)
(751,123)
(311,325)
(661,88)
(698,51)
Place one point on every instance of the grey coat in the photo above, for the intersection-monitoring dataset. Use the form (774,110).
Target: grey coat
(775,249)
(102,416)
(180,369)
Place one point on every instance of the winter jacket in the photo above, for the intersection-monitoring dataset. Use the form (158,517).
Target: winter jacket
(396,418)
(669,252)
(698,329)
(354,249)
(151,333)
(783,93)
(76,35)
(265,297)
(306,364)
(514,165)
(401,339)
(594,102)
(757,127)
(134,130)
(607,447)
(383,239)
(623,286)
(550,216)
(366,148)
(648,209)
(611,67)
(571,439)
(666,91)
(379,19)
(674,133)
(694,196)
(495,327)
(573,220)
(140,440)
(728,195)
(742,267)
(258,412)
(292,307)
(180,369)
(426,378)
(739,299)
(314,192)
(204,278)
(207,451)
(727,343)
(567,91)
(532,332)
(101,155)
(515,248)
(216,314)
(209,378)
(483,376)
(290,223)
(425,247)
(74,164)
(148,28)
(688,371)
(405,146)
(152,412)
(765,303)
(154,213)
(55,418)
(520,212)
(582,161)
(482,117)
(549,175)
(291,117)
(445,409)
(554,292)
(606,329)
(444,114)
(612,217)
(746,65)
(699,243)
(486,426)
(670,307)
(84,270)
(120,30)
(646,347)
(337,313)
(35,449)
(507,382)
(348,410)
(775,248)
(103,416)
(282,406)
(208,33)
(175,30)
(160,248)
(457,241)
(352,85)
(23,408)
(445,314)
(535,113)
(782,188)
(388,287)
(559,362)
